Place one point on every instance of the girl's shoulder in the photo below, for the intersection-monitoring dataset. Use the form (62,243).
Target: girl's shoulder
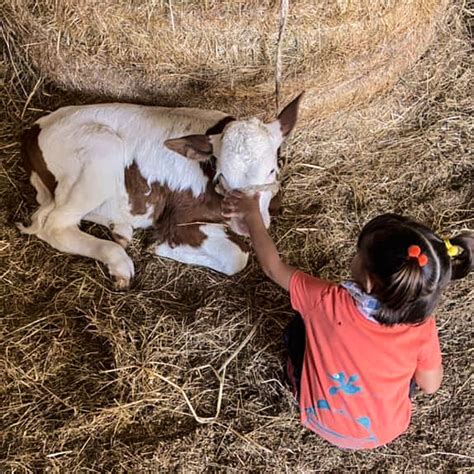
(306,291)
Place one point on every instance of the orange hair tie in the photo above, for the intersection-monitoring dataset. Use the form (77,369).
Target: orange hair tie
(414,251)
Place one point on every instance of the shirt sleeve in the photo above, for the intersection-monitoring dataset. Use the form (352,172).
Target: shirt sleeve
(429,357)
(306,291)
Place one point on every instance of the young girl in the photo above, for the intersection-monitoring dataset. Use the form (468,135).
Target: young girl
(358,346)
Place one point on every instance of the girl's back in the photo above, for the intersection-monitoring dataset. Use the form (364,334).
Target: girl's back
(354,388)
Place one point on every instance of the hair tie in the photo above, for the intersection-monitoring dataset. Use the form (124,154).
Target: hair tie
(453,250)
(414,251)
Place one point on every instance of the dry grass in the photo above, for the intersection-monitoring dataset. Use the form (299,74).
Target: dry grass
(84,367)
(341,52)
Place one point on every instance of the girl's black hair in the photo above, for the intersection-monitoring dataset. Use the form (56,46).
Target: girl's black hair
(408,292)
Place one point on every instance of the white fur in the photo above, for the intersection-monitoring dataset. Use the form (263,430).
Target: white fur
(216,252)
(247,153)
(73,137)
(87,149)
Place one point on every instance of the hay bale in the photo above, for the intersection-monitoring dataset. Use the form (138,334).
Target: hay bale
(222,53)
(81,363)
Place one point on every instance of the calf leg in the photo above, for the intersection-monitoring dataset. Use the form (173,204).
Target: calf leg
(122,234)
(60,226)
(217,251)
(46,202)
(72,240)
(43,196)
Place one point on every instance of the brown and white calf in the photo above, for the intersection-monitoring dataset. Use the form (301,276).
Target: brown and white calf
(128,166)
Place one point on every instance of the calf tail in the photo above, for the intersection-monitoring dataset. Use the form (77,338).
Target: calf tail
(33,159)
(40,177)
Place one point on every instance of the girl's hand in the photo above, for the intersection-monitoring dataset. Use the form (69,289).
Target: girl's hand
(241,206)
(238,204)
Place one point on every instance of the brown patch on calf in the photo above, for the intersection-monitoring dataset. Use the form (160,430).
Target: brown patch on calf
(175,224)
(275,204)
(33,159)
(238,240)
(175,214)
(141,195)
(209,168)
(219,126)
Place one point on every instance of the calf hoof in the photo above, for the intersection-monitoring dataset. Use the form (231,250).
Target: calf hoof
(121,240)
(120,266)
(121,283)
(24,229)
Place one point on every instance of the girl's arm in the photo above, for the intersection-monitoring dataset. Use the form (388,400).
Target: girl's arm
(429,380)
(247,208)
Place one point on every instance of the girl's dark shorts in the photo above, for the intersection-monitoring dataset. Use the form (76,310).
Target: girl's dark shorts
(295,341)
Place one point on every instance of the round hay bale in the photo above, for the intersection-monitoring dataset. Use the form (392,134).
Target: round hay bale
(222,53)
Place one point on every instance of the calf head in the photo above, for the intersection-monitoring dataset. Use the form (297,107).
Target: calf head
(246,155)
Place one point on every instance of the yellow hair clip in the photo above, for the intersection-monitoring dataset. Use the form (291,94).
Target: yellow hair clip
(453,250)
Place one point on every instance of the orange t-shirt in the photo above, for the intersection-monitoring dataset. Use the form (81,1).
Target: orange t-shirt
(356,373)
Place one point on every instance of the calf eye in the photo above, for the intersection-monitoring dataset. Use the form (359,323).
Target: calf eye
(273,171)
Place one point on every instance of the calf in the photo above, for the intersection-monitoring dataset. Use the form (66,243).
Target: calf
(128,166)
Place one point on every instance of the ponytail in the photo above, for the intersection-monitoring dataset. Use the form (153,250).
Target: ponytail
(410,266)
(463,263)
(402,294)
(405,285)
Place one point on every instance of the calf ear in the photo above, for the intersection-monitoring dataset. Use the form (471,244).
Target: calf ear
(289,115)
(195,147)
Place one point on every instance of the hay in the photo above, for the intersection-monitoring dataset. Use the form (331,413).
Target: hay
(84,367)
(223,53)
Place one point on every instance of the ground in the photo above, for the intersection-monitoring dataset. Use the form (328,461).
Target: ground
(95,380)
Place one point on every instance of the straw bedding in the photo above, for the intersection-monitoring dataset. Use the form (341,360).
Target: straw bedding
(97,380)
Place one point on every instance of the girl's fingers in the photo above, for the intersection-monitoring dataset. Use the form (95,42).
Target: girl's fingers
(228,205)
(234,196)
(227,213)
(228,210)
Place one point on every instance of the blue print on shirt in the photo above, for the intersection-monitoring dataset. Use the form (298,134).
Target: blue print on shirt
(364,421)
(345,386)
(322,405)
(347,441)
